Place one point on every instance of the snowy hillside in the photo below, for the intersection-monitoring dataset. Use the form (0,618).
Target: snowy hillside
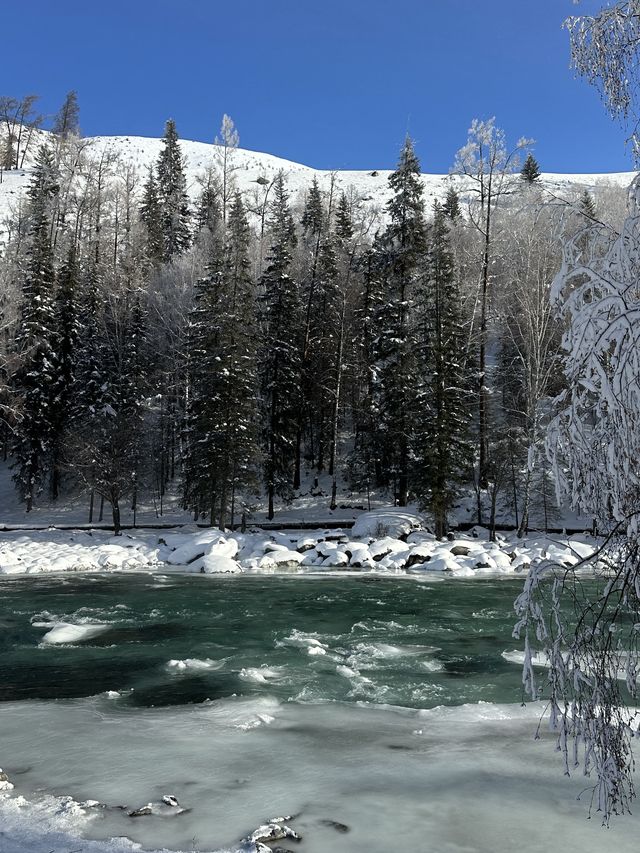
(253,171)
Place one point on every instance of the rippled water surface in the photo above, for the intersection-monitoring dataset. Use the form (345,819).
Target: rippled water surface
(175,640)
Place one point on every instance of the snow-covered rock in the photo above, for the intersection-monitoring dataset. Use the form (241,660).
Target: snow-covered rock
(395,522)
(215,564)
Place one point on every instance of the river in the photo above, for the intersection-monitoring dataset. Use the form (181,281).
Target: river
(378,712)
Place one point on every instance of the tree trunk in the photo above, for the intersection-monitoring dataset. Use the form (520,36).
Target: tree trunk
(296,463)
(115,508)
(223,509)
(524,521)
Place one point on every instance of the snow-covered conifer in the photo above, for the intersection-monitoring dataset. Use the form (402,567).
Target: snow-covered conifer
(402,248)
(281,352)
(172,192)
(223,454)
(442,447)
(530,171)
(35,375)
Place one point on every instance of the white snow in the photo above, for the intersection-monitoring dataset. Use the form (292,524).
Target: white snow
(250,167)
(210,552)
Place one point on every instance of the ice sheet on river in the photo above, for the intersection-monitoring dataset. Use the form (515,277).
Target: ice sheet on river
(448,779)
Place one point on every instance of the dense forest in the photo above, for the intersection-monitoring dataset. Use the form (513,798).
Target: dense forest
(223,346)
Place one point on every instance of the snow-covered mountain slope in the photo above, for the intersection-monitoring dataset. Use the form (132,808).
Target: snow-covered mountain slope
(253,171)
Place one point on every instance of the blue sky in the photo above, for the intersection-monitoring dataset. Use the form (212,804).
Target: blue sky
(334,84)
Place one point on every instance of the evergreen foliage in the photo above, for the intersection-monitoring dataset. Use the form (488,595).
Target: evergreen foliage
(443,451)
(530,172)
(172,194)
(65,346)
(401,256)
(222,417)
(151,216)
(451,206)
(280,357)
(34,378)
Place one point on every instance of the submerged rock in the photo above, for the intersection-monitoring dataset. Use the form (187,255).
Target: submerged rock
(142,811)
(264,836)
(5,784)
(334,824)
(273,832)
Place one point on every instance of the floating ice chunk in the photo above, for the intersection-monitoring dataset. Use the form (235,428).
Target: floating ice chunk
(64,633)
(261,675)
(194,663)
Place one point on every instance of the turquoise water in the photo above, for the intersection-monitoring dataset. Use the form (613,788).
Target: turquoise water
(386,641)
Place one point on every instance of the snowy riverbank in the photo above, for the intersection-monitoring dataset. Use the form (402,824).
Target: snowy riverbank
(383,541)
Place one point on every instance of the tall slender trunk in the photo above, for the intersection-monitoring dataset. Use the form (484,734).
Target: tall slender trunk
(115,510)
(336,408)
(297,460)
(483,402)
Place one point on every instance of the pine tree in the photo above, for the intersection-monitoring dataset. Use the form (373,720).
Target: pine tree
(172,193)
(530,172)
(35,377)
(280,357)
(444,399)
(222,422)
(402,253)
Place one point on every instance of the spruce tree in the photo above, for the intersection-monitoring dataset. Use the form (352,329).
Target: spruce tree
(65,344)
(313,215)
(151,216)
(451,206)
(401,253)
(443,399)
(365,465)
(91,386)
(35,377)
(113,452)
(172,193)
(530,172)
(222,416)
(281,353)
(587,205)
(344,223)
(209,211)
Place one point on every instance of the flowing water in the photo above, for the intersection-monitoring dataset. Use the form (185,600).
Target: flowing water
(379,705)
